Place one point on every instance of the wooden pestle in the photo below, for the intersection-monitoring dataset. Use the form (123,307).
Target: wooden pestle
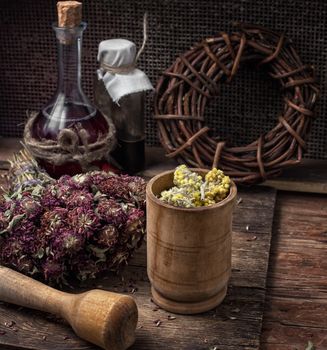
(106,319)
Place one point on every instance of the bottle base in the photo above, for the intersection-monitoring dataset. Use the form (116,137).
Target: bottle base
(130,155)
(188,308)
(73,168)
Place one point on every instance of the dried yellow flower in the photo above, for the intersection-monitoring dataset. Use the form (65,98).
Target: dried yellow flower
(191,190)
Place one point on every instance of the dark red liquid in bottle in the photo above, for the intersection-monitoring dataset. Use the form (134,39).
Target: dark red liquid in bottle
(69,108)
(48,126)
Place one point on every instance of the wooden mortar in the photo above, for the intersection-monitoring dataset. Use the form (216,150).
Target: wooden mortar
(188,250)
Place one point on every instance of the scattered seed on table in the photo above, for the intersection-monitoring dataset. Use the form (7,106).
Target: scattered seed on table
(170,318)
(232,318)
(239,201)
(44,337)
(139,327)
(10,324)
(66,337)
(205,340)
(247,227)
(236,310)
(252,238)
(157,323)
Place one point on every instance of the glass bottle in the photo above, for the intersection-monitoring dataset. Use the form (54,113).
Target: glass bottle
(128,117)
(119,92)
(69,106)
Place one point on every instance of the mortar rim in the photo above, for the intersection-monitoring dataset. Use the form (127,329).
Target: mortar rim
(149,193)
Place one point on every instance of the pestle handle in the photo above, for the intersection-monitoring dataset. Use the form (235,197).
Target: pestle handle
(106,319)
(21,290)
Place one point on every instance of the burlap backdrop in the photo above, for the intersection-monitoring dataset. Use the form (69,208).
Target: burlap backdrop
(246,107)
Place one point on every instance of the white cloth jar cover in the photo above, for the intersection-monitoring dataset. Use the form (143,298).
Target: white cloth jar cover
(121,53)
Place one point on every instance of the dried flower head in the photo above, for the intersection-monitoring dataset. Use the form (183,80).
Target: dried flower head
(192,191)
(79,198)
(135,219)
(52,221)
(83,221)
(53,270)
(108,236)
(3,221)
(111,212)
(67,242)
(30,207)
(74,227)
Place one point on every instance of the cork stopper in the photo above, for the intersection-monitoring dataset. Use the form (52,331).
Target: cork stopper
(69,14)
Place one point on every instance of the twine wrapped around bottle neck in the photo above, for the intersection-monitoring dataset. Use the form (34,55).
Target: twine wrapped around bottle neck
(130,67)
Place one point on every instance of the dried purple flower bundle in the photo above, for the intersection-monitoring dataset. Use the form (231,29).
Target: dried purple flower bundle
(74,227)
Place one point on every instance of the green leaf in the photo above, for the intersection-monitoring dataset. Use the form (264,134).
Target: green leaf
(17,194)
(99,252)
(98,195)
(7,198)
(39,254)
(34,271)
(310,346)
(14,221)
(8,213)
(37,191)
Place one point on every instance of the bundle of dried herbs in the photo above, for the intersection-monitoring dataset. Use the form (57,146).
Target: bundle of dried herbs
(74,227)
(191,190)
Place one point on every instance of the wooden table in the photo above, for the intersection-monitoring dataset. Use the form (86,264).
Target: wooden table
(296,300)
(296,303)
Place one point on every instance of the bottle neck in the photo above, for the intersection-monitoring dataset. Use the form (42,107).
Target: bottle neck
(69,60)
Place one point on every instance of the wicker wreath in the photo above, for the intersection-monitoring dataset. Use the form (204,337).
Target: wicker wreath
(183,90)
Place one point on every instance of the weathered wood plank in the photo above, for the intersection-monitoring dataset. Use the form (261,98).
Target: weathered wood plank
(309,176)
(296,302)
(302,312)
(234,325)
(287,337)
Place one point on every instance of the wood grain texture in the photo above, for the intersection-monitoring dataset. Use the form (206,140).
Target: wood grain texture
(103,318)
(188,250)
(234,325)
(296,303)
